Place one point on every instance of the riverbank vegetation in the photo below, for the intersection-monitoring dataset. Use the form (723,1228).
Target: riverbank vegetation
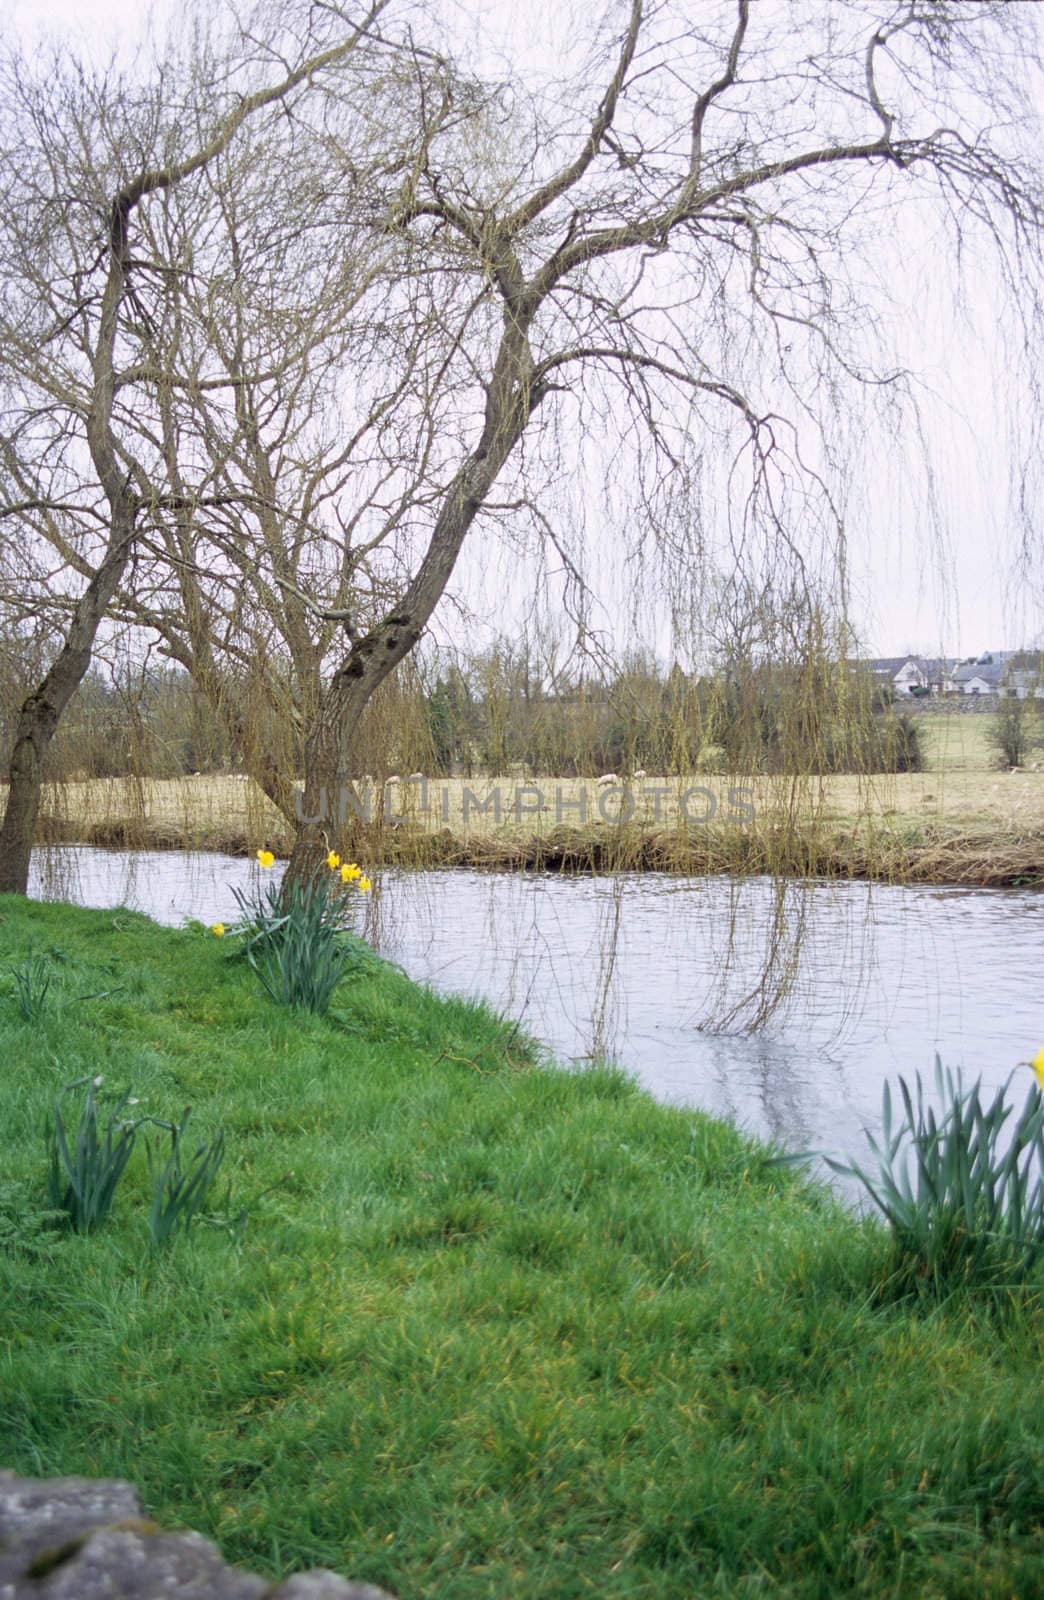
(502,712)
(959,820)
(489,1327)
(701,784)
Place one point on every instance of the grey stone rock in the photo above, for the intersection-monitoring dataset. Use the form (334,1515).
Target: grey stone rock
(54,1510)
(117,1563)
(87,1539)
(323,1585)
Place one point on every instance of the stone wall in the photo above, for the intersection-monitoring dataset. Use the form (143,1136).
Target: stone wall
(947,705)
(89,1539)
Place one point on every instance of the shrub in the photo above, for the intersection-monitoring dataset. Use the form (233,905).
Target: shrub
(1017,729)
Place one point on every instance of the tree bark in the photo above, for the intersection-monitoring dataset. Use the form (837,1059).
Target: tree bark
(42,711)
(37,721)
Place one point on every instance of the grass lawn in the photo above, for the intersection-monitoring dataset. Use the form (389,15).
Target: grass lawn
(500,1331)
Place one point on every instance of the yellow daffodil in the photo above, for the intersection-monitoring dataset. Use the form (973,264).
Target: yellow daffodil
(218,930)
(1038,1066)
(350,872)
(346,874)
(364,885)
(333,861)
(266,858)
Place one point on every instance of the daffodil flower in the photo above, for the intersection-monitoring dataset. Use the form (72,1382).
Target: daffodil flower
(346,873)
(218,930)
(1038,1066)
(364,885)
(350,872)
(266,858)
(333,861)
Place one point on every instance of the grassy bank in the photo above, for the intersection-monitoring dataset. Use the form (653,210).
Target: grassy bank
(498,1329)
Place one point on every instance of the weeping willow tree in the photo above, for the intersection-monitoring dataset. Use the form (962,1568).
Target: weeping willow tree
(614,322)
(667,291)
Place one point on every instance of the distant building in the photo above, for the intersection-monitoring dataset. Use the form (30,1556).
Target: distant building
(981,674)
(913,675)
(1025,676)
(977,684)
(996,672)
(1003,672)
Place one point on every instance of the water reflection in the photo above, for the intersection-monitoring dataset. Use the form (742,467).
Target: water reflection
(872,979)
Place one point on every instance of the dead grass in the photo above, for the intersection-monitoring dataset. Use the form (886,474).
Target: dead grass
(960,821)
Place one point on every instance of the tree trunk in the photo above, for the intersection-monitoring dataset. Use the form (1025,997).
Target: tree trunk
(510,402)
(36,724)
(43,710)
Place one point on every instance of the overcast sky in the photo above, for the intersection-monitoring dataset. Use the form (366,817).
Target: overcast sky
(913,591)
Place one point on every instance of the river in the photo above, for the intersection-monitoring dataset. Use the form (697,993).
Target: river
(665,974)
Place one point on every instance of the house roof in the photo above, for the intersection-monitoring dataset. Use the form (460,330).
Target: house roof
(930,666)
(889,665)
(987,671)
(1023,668)
(993,667)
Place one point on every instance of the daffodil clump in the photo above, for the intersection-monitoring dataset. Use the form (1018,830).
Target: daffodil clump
(348,872)
(961,1188)
(297,934)
(87,1162)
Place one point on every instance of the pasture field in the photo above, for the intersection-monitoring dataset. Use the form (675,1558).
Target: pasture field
(491,1328)
(961,819)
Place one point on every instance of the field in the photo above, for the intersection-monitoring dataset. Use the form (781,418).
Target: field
(961,820)
(491,1329)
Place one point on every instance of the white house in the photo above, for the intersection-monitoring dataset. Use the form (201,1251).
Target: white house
(1003,672)
(909,675)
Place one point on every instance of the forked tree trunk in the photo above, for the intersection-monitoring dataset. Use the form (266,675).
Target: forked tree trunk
(510,403)
(43,709)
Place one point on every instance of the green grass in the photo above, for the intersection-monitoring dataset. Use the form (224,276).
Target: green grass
(956,743)
(500,1330)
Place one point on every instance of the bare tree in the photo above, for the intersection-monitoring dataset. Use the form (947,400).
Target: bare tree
(672,289)
(84,158)
(292,395)
(723,152)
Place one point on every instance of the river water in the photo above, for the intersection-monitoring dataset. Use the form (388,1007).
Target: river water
(784,1009)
